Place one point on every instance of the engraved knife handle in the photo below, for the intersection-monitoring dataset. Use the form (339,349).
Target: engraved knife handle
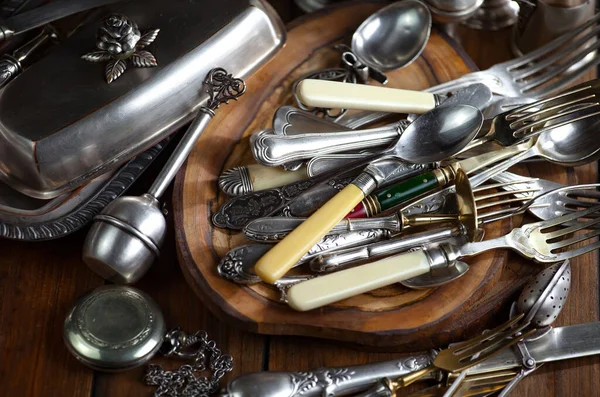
(273,150)
(12,65)
(336,381)
(276,228)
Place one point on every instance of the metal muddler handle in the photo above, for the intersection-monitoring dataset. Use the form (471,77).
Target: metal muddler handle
(126,236)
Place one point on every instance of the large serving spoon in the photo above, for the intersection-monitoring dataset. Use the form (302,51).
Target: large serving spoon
(436,135)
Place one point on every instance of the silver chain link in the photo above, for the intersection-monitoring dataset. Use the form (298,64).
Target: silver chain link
(186,381)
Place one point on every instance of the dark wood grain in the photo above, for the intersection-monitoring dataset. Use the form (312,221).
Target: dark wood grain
(38,283)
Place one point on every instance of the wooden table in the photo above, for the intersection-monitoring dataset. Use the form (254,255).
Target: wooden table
(38,283)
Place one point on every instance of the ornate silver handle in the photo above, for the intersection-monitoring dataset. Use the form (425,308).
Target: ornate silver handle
(273,150)
(338,381)
(276,228)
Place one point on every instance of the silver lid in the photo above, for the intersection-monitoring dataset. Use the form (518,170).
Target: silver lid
(114,328)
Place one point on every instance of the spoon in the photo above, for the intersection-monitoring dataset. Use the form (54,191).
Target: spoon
(127,235)
(394,36)
(568,145)
(436,135)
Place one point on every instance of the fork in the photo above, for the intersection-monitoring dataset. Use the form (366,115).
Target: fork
(532,241)
(466,354)
(563,199)
(276,228)
(526,75)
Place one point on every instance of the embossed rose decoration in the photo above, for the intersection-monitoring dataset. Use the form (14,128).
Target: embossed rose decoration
(119,40)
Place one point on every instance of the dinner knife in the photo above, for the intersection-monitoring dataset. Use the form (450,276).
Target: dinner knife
(335,94)
(45,14)
(561,343)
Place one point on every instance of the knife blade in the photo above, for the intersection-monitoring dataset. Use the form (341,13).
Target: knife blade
(561,343)
(45,14)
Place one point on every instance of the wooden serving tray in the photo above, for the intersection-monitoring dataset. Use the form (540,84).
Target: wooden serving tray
(393,317)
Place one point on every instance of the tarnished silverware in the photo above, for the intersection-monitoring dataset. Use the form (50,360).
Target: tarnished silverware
(276,228)
(300,198)
(444,131)
(238,264)
(540,73)
(273,150)
(532,241)
(338,381)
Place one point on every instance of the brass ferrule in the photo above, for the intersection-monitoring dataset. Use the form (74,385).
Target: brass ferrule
(444,175)
(372,206)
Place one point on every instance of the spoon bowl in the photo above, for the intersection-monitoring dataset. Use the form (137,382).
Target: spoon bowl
(438,134)
(394,36)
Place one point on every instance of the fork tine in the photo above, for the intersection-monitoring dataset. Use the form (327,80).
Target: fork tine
(572,229)
(481,349)
(567,218)
(593,106)
(585,193)
(564,79)
(492,348)
(574,239)
(522,192)
(560,104)
(521,181)
(518,112)
(551,46)
(494,216)
(501,202)
(560,55)
(483,337)
(577,252)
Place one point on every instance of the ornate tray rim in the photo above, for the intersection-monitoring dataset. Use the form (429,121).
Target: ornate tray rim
(85,212)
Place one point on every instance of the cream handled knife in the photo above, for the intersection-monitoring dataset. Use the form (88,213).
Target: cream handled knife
(334,94)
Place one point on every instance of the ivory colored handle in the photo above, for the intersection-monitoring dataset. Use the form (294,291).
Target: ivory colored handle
(284,255)
(335,94)
(263,177)
(323,290)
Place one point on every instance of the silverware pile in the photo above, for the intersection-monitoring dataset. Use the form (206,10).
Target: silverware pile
(351,210)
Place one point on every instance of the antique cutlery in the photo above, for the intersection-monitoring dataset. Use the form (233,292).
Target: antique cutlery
(532,240)
(394,36)
(327,262)
(357,378)
(238,264)
(127,235)
(569,142)
(450,130)
(302,197)
(276,228)
(538,74)
(336,94)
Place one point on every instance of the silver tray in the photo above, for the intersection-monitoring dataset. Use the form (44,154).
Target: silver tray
(61,124)
(29,219)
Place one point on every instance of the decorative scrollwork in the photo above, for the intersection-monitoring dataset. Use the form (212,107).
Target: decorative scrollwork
(236,181)
(222,87)
(78,218)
